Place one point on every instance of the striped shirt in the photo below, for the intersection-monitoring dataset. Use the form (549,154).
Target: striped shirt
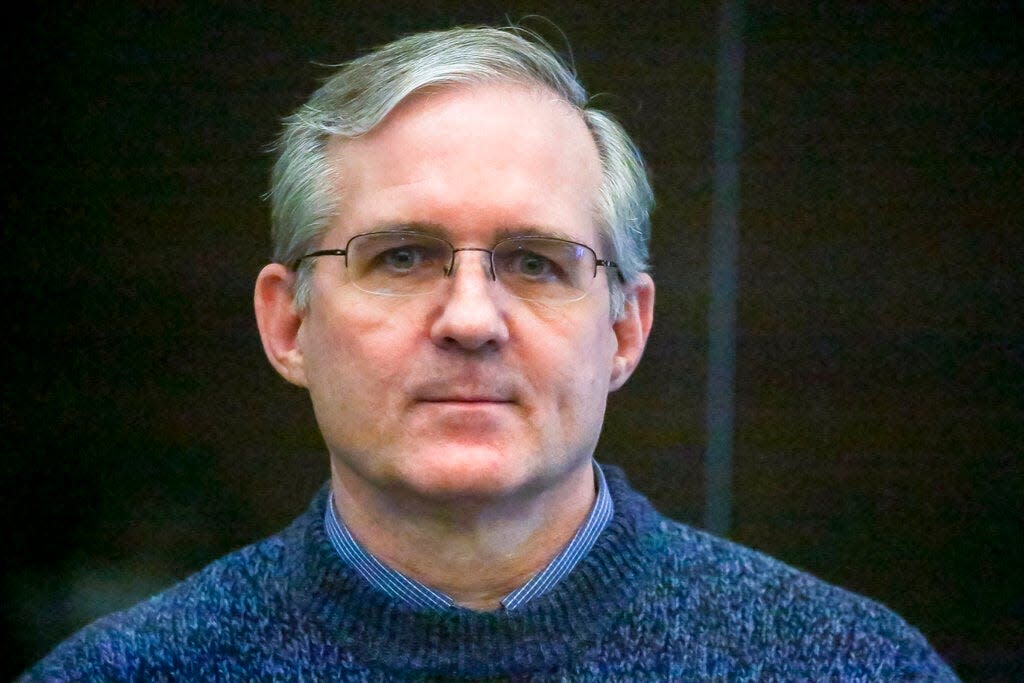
(400,586)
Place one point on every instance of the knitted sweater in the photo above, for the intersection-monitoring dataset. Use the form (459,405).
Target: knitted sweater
(654,600)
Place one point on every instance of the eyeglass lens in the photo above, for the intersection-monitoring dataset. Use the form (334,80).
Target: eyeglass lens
(534,268)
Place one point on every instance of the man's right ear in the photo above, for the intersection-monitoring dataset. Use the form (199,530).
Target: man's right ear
(279,322)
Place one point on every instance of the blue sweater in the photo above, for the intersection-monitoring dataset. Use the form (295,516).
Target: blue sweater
(654,600)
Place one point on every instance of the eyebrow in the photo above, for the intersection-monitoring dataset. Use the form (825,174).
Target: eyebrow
(439,230)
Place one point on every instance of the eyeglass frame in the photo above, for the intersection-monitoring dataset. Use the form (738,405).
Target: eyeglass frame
(605,263)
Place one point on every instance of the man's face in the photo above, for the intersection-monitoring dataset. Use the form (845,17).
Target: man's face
(466,391)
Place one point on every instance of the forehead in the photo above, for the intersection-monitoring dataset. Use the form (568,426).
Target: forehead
(491,156)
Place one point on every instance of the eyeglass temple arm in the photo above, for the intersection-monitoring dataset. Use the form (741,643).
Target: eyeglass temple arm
(294,265)
(612,264)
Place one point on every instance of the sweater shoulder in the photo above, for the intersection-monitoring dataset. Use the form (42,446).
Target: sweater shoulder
(748,602)
(204,613)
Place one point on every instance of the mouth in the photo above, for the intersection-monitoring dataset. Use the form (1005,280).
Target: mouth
(471,392)
(467,400)
(467,396)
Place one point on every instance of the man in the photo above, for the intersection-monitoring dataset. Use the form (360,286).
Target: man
(458,281)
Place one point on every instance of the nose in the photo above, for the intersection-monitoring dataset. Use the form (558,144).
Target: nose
(472,314)
(486,258)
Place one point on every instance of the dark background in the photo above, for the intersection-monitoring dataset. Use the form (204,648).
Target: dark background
(881,342)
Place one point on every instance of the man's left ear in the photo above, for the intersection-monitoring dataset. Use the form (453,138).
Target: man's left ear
(632,329)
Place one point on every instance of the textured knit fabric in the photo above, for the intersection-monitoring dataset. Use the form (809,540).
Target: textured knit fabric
(398,585)
(653,601)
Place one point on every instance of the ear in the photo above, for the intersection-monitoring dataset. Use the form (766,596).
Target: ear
(632,329)
(279,322)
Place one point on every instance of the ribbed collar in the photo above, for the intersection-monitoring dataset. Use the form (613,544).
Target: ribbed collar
(399,586)
(390,635)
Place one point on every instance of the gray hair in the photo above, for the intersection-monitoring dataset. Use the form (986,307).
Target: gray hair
(362,93)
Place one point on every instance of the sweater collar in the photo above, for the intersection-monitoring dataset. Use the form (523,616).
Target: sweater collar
(387,633)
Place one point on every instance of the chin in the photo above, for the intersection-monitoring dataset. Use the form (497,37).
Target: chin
(468,472)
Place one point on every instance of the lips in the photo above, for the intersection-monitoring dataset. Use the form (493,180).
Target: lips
(468,405)
(465,398)
(462,393)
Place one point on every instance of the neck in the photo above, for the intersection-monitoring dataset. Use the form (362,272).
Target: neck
(476,551)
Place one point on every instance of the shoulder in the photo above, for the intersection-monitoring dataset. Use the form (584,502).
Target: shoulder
(748,604)
(738,610)
(205,613)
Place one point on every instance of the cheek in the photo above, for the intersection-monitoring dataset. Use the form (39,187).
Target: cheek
(576,358)
(356,355)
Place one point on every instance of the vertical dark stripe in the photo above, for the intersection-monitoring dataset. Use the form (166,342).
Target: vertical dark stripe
(724,246)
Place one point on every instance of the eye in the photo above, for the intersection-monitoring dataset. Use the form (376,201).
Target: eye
(402,258)
(405,257)
(532,265)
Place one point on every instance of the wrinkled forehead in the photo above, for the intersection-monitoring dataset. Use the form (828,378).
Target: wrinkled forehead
(507,144)
(475,110)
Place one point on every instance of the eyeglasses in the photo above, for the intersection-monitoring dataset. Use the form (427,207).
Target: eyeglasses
(397,263)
